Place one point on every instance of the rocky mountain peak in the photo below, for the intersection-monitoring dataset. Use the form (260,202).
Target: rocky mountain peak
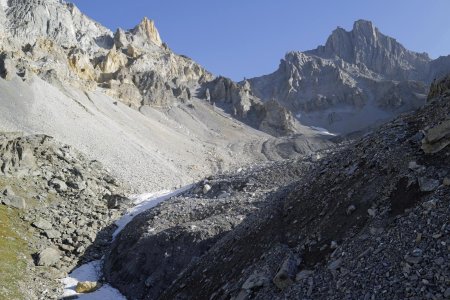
(30,20)
(148,30)
(365,28)
(366,45)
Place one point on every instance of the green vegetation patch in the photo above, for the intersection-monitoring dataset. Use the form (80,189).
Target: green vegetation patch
(13,254)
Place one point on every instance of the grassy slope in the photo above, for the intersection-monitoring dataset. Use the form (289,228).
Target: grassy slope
(13,253)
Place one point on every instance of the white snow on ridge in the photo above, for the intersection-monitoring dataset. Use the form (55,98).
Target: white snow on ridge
(145,202)
(90,272)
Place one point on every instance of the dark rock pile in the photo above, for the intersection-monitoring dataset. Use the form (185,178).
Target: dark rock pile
(366,221)
(64,198)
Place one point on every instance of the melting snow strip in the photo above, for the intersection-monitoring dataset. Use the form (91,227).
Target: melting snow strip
(93,271)
(322,131)
(145,202)
(89,272)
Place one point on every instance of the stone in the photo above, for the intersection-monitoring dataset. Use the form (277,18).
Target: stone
(428,184)
(334,265)
(76,184)
(114,201)
(446,181)
(255,281)
(350,209)
(48,257)
(53,234)
(206,188)
(439,261)
(58,185)
(372,212)
(304,274)
(8,191)
(415,167)
(86,287)
(7,68)
(42,224)
(286,273)
(447,293)
(14,201)
(413,259)
(437,138)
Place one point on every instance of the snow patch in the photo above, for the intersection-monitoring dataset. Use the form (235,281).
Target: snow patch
(89,272)
(322,130)
(145,202)
(93,271)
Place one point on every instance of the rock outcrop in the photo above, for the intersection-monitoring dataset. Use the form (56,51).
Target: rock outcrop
(146,32)
(439,88)
(55,41)
(30,20)
(239,101)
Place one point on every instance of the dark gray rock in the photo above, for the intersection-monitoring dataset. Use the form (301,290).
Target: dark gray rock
(286,274)
(428,184)
(115,201)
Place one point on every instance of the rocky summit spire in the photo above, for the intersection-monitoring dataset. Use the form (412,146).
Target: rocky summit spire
(365,28)
(148,30)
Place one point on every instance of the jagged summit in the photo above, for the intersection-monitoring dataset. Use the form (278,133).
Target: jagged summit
(63,23)
(359,78)
(147,29)
(367,45)
(365,26)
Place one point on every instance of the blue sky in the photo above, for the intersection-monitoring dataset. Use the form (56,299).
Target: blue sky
(247,38)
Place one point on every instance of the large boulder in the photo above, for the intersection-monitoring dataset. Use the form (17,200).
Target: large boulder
(48,257)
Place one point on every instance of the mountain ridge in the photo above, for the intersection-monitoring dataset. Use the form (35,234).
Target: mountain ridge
(357,79)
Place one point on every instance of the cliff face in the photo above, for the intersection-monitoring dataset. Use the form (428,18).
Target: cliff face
(357,79)
(365,44)
(147,31)
(55,41)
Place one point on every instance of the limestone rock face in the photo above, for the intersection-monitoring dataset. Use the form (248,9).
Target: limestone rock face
(239,101)
(113,61)
(61,22)
(147,31)
(54,40)
(359,78)
(365,44)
